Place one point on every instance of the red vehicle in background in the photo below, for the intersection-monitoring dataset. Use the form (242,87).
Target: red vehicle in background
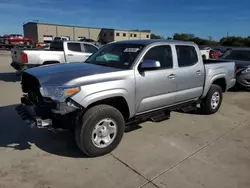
(215,54)
(16,39)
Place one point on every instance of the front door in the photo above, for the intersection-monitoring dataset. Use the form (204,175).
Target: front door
(190,73)
(75,52)
(155,88)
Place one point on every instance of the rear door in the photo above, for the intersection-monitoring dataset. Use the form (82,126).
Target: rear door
(190,74)
(74,52)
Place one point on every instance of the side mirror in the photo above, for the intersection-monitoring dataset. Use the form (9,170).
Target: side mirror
(150,64)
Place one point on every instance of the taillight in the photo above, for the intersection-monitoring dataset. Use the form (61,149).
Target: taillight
(24,58)
(235,68)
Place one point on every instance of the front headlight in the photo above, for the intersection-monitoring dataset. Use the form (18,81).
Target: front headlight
(58,93)
(246,71)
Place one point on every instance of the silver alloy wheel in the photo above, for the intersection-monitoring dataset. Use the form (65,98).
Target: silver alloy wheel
(215,100)
(104,133)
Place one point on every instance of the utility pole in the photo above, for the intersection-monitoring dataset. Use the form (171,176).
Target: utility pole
(227,34)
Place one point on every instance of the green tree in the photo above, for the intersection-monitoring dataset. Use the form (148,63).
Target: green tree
(154,36)
(193,38)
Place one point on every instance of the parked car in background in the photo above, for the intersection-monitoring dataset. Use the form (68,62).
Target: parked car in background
(205,52)
(17,39)
(215,54)
(241,57)
(123,83)
(43,47)
(58,52)
(90,41)
(61,38)
(1,39)
(41,44)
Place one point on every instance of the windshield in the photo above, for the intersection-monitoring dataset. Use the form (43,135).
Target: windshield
(242,55)
(116,55)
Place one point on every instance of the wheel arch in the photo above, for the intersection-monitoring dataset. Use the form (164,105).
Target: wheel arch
(118,102)
(219,80)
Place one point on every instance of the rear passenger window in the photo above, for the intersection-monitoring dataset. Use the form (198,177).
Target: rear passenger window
(187,55)
(76,47)
(90,48)
(163,54)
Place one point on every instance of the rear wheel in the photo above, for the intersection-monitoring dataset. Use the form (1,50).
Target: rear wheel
(100,130)
(212,101)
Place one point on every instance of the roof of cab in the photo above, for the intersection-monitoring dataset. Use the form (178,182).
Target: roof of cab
(151,41)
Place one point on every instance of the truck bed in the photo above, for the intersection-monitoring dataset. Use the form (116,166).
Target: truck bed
(216,69)
(33,55)
(214,61)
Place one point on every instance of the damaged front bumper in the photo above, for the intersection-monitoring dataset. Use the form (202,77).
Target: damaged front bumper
(28,114)
(45,116)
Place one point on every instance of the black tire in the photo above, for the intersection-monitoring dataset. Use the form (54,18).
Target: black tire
(206,105)
(204,57)
(83,131)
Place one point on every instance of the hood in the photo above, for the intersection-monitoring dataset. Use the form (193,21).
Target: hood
(66,73)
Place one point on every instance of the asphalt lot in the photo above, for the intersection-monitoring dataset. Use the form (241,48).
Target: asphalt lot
(191,151)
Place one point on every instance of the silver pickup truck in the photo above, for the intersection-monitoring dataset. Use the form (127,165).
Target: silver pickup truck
(122,84)
(59,52)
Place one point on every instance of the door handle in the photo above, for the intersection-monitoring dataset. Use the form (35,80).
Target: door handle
(198,72)
(171,76)
(70,55)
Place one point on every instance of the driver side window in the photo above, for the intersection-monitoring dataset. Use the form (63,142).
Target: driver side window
(163,54)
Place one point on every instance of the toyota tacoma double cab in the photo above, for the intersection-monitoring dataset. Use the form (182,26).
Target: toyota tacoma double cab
(123,83)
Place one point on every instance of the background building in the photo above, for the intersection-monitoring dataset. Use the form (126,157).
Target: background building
(41,32)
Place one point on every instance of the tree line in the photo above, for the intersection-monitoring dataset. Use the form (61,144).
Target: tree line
(225,41)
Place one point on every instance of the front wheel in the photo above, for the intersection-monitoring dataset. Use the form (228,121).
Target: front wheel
(212,101)
(100,130)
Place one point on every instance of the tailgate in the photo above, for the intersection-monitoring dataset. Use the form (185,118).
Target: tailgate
(16,55)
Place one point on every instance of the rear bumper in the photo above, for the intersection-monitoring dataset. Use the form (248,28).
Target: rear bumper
(17,66)
(244,80)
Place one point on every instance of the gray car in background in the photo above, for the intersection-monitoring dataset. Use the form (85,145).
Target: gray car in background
(241,57)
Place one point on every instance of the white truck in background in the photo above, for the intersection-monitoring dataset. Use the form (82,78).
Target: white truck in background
(205,52)
(58,52)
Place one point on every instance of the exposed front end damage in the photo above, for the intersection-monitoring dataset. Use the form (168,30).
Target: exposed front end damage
(41,112)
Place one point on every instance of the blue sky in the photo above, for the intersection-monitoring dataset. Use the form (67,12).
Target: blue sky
(214,18)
